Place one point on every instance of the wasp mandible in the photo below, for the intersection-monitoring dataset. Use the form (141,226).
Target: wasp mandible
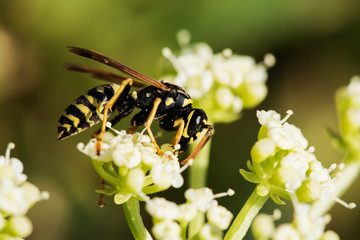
(168,103)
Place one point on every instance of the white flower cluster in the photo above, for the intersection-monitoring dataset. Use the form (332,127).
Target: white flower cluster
(222,83)
(171,220)
(304,226)
(291,165)
(138,169)
(17,196)
(348,106)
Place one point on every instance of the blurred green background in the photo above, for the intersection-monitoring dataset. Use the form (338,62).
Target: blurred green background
(316,43)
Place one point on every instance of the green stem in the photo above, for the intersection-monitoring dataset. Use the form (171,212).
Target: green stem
(134,220)
(99,168)
(198,171)
(342,183)
(198,175)
(243,220)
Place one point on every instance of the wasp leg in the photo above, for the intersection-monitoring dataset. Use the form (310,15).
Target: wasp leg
(149,122)
(108,106)
(179,133)
(210,131)
(114,121)
(101,196)
(132,129)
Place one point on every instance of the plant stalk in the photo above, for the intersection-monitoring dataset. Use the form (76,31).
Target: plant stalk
(134,220)
(243,220)
(198,176)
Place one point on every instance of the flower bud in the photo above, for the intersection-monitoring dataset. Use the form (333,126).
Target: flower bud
(262,149)
(252,93)
(135,180)
(262,190)
(330,235)
(219,217)
(209,232)
(120,198)
(7,172)
(283,175)
(167,230)
(263,226)
(309,191)
(19,226)
(286,231)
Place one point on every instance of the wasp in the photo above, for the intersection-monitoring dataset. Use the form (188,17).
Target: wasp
(168,103)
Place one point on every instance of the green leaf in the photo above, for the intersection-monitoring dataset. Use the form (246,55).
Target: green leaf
(276,198)
(249,166)
(336,140)
(108,191)
(120,198)
(249,176)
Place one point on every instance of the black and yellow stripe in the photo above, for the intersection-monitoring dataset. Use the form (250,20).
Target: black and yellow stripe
(85,111)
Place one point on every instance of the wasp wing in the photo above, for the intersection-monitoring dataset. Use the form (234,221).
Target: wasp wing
(103,75)
(112,63)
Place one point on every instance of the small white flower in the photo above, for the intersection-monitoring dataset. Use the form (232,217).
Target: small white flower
(127,155)
(219,217)
(263,226)
(167,173)
(285,135)
(209,232)
(11,168)
(12,199)
(106,149)
(230,71)
(162,209)
(20,226)
(187,212)
(299,164)
(286,232)
(270,116)
(310,227)
(16,197)
(202,198)
(167,230)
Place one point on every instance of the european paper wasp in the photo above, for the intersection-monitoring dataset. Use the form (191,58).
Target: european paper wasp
(160,100)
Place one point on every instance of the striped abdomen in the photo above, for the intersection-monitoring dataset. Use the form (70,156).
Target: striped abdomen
(86,111)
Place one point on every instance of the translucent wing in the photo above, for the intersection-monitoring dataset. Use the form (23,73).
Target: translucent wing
(112,63)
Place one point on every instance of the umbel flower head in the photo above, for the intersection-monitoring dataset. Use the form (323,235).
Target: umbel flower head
(17,196)
(131,167)
(348,108)
(282,164)
(220,83)
(305,226)
(171,220)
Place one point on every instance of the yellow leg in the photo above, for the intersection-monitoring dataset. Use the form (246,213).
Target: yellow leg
(201,144)
(179,133)
(108,106)
(149,122)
